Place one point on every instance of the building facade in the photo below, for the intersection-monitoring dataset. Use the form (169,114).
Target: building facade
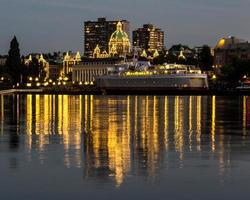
(99,33)
(86,71)
(229,48)
(149,38)
(69,60)
(3,60)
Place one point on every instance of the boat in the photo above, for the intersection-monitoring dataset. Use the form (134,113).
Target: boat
(171,78)
(244,86)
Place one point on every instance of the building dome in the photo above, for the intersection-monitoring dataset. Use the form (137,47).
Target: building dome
(120,41)
(223,43)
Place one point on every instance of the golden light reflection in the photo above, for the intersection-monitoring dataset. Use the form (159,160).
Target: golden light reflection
(166,122)
(114,135)
(2,113)
(213,122)
(190,117)
(119,143)
(244,121)
(198,120)
(178,122)
(51,115)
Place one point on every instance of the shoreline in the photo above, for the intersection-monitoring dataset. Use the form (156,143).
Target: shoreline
(95,91)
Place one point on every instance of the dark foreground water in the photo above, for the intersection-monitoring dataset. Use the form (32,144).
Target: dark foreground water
(124,147)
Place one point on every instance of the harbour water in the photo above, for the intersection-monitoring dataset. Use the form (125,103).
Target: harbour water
(124,147)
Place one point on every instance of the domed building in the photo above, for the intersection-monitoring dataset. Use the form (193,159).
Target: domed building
(228,48)
(119,42)
(224,43)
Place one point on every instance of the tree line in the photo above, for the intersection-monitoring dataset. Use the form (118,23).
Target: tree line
(15,68)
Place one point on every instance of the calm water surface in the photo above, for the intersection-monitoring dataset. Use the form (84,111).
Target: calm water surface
(124,147)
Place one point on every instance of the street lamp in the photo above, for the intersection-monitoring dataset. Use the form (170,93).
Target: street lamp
(214,77)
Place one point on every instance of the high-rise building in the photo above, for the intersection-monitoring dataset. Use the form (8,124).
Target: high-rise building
(99,33)
(149,38)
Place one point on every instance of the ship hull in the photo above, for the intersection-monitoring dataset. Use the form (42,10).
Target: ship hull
(172,84)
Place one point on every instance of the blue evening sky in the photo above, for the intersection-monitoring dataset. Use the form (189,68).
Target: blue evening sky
(52,25)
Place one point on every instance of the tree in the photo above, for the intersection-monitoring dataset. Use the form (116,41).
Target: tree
(36,69)
(13,63)
(234,71)
(205,58)
(160,59)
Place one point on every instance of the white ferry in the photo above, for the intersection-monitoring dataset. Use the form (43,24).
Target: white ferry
(167,77)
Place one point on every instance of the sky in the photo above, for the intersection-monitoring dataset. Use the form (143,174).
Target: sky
(44,26)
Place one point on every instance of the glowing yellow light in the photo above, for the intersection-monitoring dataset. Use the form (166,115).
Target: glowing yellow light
(91,83)
(64,83)
(221,43)
(60,78)
(59,83)
(29,84)
(80,83)
(54,83)
(38,84)
(46,84)
(66,79)
(214,77)
(36,79)
(2,78)
(50,80)
(86,83)
(30,78)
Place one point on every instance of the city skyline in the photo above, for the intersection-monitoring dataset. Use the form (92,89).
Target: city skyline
(58,25)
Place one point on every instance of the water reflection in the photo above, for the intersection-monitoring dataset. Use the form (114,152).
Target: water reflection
(114,137)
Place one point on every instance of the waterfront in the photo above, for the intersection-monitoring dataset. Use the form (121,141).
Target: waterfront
(124,147)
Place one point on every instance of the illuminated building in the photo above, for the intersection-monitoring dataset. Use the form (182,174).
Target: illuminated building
(69,60)
(229,48)
(98,54)
(99,33)
(86,71)
(41,60)
(3,60)
(149,38)
(182,51)
(119,42)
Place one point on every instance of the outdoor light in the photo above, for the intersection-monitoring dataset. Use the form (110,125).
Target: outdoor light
(80,83)
(29,84)
(46,84)
(30,78)
(2,78)
(36,79)
(54,83)
(38,84)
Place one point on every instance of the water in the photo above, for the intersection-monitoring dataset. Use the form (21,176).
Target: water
(124,147)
